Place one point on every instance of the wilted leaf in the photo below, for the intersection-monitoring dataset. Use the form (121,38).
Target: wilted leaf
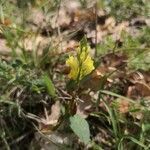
(55,112)
(124,106)
(84,106)
(51,120)
(80,127)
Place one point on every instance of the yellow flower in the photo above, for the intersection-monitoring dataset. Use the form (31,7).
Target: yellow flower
(74,67)
(81,65)
(87,66)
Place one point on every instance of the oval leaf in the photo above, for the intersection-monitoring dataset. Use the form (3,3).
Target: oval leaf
(80,127)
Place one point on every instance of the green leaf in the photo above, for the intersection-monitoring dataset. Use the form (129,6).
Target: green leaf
(135,141)
(145,127)
(50,86)
(116,95)
(80,127)
(84,44)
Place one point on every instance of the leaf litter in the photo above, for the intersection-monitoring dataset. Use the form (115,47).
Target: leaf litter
(62,30)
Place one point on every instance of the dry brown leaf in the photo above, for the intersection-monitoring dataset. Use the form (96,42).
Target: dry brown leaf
(4,49)
(48,122)
(84,106)
(35,42)
(6,22)
(115,60)
(72,6)
(51,120)
(123,26)
(36,18)
(123,106)
(84,15)
(109,24)
(55,113)
(141,85)
(143,88)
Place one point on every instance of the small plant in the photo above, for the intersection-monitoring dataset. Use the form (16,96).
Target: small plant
(81,64)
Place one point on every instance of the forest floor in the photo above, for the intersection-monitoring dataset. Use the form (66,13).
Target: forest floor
(74,74)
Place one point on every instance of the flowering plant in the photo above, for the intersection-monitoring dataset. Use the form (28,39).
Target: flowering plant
(81,64)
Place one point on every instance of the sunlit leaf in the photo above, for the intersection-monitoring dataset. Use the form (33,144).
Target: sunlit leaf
(80,127)
(50,86)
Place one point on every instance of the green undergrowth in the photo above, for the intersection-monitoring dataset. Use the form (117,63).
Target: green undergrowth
(125,10)
(136,48)
(22,91)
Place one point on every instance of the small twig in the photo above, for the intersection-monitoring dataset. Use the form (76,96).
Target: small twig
(96,29)
(58,28)
(64,98)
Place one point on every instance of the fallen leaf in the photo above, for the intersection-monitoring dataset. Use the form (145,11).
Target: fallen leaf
(49,121)
(123,106)
(84,106)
